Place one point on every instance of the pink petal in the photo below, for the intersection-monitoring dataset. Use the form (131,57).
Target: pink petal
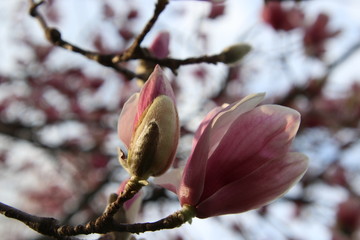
(192,183)
(224,116)
(170,180)
(224,119)
(205,122)
(156,85)
(210,129)
(255,138)
(269,182)
(127,118)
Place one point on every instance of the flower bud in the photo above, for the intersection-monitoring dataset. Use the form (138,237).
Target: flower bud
(149,127)
(143,150)
(235,53)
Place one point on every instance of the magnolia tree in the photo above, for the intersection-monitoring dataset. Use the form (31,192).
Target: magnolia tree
(127,136)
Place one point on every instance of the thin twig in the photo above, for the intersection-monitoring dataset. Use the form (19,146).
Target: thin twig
(296,91)
(86,198)
(134,52)
(174,64)
(54,36)
(135,49)
(346,55)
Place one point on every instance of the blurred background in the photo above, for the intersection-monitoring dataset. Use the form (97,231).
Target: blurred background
(59,110)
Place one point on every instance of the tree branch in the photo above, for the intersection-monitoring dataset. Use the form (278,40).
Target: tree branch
(42,225)
(134,52)
(104,223)
(135,49)
(296,91)
(54,36)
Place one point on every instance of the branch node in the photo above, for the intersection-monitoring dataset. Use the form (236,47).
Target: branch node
(33,9)
(53,35)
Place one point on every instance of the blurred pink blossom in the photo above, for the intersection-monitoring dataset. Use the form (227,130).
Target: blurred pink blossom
(160,46)
(216,10)
(281,18)
(317,34)
(348,217)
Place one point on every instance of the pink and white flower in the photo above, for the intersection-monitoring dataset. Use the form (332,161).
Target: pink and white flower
(149,127)
(241,158)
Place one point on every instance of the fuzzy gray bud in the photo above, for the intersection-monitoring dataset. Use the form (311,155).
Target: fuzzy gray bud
(235,53)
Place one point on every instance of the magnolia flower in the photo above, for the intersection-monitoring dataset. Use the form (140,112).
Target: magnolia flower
(149,127)
(240,158)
